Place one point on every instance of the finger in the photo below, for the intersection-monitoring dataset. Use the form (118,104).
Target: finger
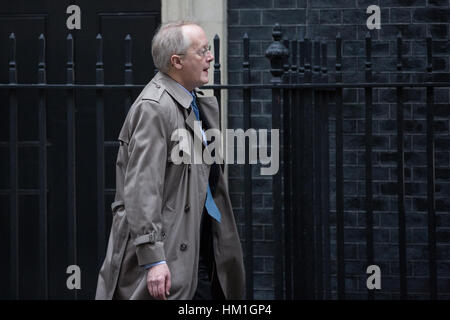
(153,288)
(149,285)
(168,283)
(161,287)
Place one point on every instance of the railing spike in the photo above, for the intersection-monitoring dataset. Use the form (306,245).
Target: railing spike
(100,78)
(399,51)
(70,63)
(128,59)
(41,62)
(429,55)
(324,53)
(12,59)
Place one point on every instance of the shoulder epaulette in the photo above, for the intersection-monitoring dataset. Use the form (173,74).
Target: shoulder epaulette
(153,92)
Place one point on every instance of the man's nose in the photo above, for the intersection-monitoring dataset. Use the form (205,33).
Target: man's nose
(210,56)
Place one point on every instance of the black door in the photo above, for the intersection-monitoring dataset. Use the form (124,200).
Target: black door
(28,269)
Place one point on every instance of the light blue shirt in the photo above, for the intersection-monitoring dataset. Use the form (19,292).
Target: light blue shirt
(148,266)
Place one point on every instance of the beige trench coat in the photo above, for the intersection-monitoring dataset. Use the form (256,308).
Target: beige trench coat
(158,204)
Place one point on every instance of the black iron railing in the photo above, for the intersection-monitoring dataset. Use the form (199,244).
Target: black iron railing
(306,93)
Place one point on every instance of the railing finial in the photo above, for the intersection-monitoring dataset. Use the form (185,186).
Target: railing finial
(277,53)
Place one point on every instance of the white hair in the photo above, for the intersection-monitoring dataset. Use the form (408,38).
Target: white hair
(169,39)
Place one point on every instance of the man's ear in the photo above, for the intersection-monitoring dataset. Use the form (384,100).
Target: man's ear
(176,62)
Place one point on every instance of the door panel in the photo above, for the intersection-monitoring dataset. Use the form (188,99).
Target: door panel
(28,19)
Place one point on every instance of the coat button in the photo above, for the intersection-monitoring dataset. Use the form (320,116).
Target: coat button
(158,86)
(163,235)
(187,208)
(189,167)
(183,247)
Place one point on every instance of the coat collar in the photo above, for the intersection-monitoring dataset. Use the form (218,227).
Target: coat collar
(208,106)
(183,97)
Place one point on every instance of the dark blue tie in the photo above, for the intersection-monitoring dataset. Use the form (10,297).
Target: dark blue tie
(210,205)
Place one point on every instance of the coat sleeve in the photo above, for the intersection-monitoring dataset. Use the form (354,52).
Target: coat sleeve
(144,179)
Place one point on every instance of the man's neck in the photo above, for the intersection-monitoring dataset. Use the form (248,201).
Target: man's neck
(176,78)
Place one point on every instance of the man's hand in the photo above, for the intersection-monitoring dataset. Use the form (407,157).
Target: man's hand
(158,281)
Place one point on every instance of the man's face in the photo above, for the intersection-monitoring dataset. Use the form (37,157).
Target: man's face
(197,59)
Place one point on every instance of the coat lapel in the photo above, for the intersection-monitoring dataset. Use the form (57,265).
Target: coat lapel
(209,111)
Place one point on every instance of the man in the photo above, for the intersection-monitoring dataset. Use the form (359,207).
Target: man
(173,234)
